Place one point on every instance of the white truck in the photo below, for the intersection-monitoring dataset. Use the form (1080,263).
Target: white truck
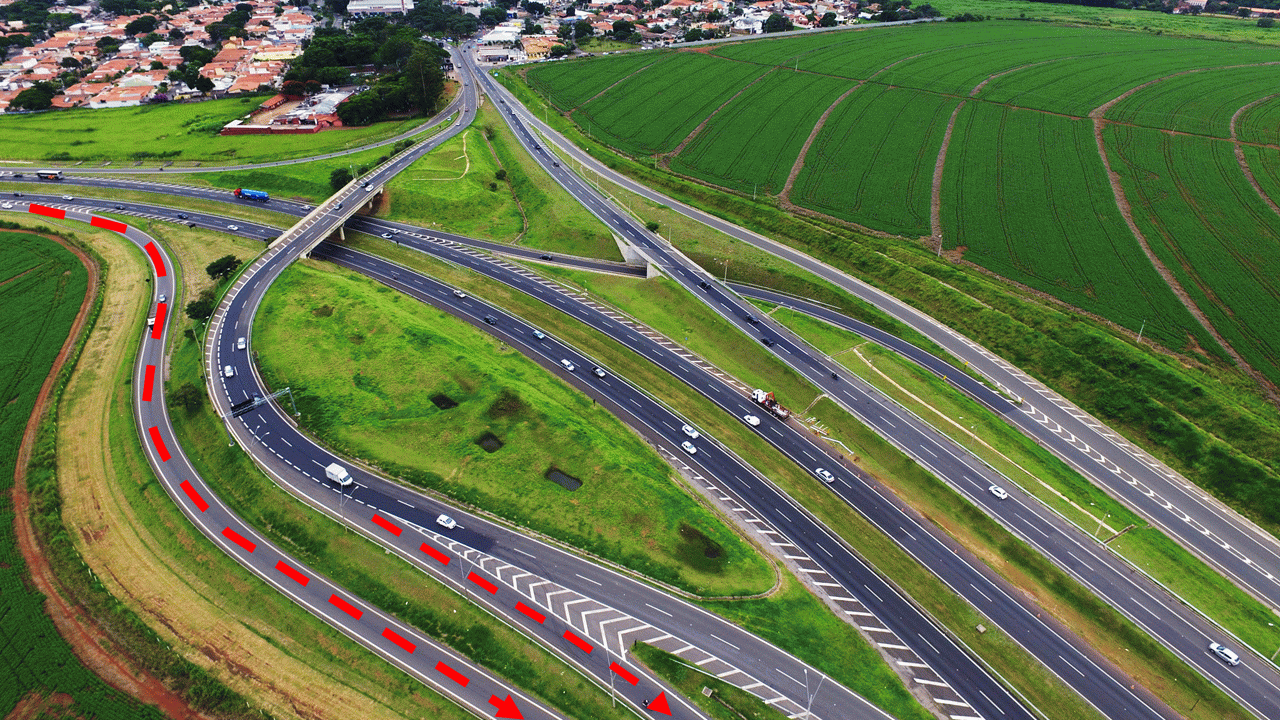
(338,474)
(767,401)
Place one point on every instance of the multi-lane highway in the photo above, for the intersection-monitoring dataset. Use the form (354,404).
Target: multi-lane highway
(814,366)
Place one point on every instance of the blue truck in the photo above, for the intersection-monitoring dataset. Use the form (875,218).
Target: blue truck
(246,194)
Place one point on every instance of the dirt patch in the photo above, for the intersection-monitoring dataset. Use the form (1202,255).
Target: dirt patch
(34,706)
(323,311)
(798,165)
(89,643)
(442,401)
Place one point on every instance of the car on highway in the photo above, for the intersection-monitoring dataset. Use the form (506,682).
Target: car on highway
(544,257)
(233,227)
(182,216)
(119,207)
(459,294)
(568,365)
(17,194)
(1227,655)
(688,447)
(446,522)
(598,372)
(7,205)
(766,341)
(999,492)
(491,319)
(386,236)
(228,371)
(68,197)
(751,420)
(553,162)
(539,334)
(825,475)
(752,319)
(239,343)
(704,284)
(688,430)
(163,298)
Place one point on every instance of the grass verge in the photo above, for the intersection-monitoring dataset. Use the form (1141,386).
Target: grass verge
(725,702)
(417,392)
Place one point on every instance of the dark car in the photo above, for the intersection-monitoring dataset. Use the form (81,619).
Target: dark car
(182,216)
(544,257)
(704,285)
(17,194)
(767,342)
(752,319)
(491,319)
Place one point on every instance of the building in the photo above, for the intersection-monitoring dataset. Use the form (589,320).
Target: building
(379,7)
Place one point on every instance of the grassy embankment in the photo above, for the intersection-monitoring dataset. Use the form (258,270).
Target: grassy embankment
(371,370)
(481,184)
(793,620)
(1042,474)
(185,134)
(42,286)
(1204,27)
(137,545)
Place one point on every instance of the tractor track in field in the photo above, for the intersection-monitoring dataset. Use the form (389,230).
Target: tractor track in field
(1239,151)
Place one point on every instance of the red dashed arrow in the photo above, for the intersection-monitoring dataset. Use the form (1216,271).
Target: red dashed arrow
(435,554)
(148,380)
(387,525)
(156,260)
(506,708)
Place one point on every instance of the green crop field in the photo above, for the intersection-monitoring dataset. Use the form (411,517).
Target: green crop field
(376,372)
(41,288)
(873,161)
(178,132)
(721,155)
(1024,193)
(676,92)
(569,84)
(1210,228)
(1061,231)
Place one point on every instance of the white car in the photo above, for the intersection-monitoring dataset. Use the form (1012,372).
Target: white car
(688,447)
(228,371)
(539,334)
(598,372)
(1227,656)
(826,476)
(7,206)
(446,522)
(688,430)
(459,294)
(239,343)
(67,197)
(386,236)
(233,227)
(568,365)
(163,298)
(751,420)
(999,492)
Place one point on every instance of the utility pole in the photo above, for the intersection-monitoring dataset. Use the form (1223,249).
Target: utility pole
(1144,327)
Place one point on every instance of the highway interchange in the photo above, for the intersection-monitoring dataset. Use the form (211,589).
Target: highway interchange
(1102,684)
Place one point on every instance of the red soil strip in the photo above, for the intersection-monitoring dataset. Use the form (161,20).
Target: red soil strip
(1126,211)
(798,165)
(90,644)
(666,158)
(1244,165)
(935,195)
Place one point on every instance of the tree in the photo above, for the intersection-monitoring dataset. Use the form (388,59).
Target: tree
(204,84)
(37,97)
(223,267)
(652,226)
(141,26)
(491,16)
(200,309)
(828,20)
(535,9)
(157,65)
(339,178)
(108,45)
(188,397)
(777,23)
(293,88)
(693,35)
(559,51)
(582,29)
(311,87)
(623,28)
(1266,22)
(423,80)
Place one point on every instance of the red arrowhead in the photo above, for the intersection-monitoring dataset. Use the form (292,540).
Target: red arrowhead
(507,708)
(659,705)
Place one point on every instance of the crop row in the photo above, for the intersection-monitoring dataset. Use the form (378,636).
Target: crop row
(1211,229)
(653,110)
(873,161)
(569,84)
(753,142)
(1025,198)
(1201,102)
